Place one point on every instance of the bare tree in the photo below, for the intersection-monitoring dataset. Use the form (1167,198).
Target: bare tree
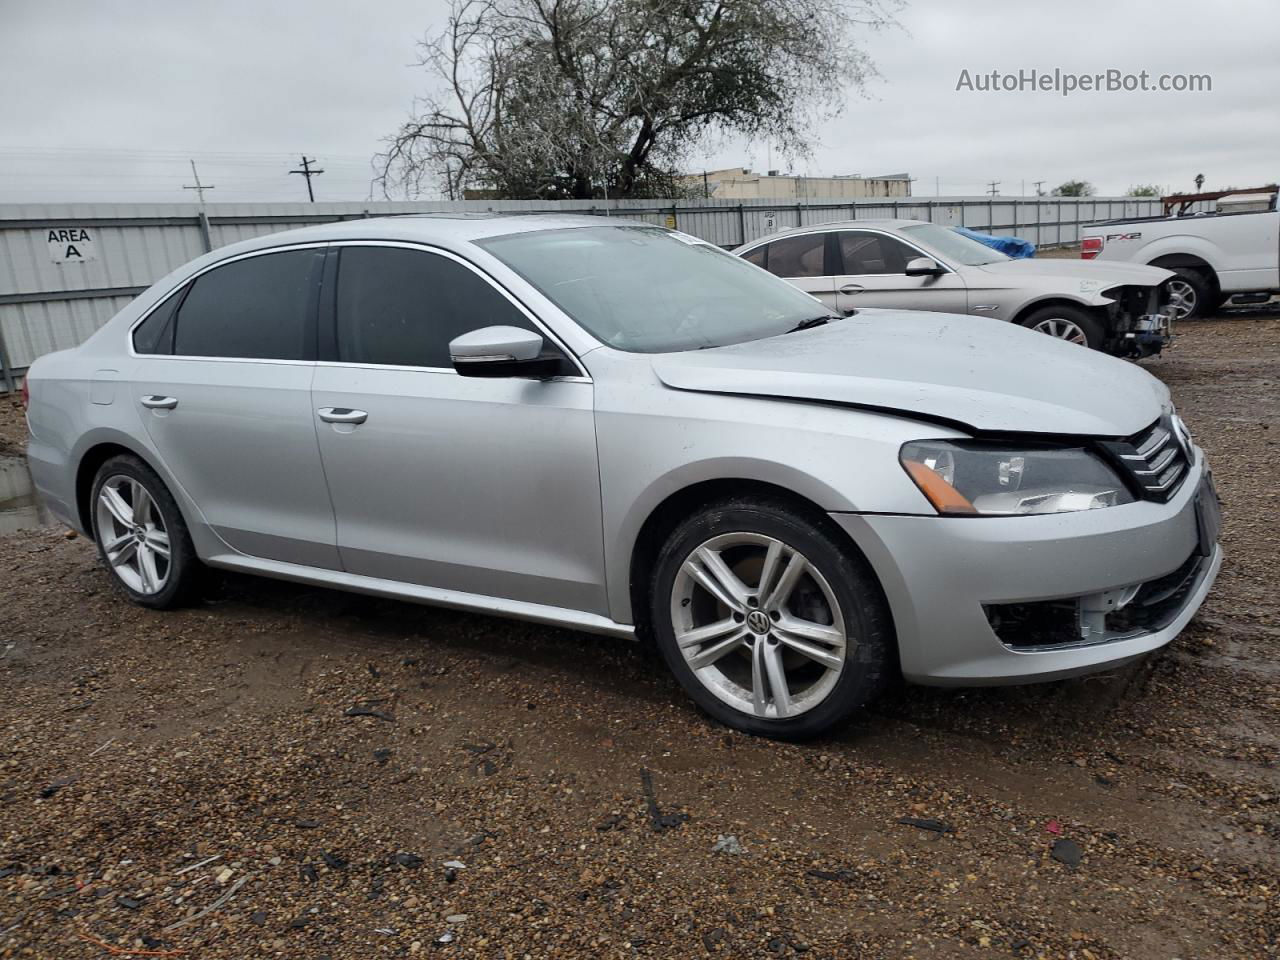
(575,98)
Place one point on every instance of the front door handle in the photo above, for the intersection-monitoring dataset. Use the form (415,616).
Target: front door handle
(153,402)
(342,415)
(849,289)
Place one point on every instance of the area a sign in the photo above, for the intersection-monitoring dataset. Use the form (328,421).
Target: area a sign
(71,245)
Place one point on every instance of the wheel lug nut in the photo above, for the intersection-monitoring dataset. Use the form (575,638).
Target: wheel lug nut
(752,602)
(738,618)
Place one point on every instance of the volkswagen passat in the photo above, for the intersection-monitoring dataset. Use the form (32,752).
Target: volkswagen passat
(619,428)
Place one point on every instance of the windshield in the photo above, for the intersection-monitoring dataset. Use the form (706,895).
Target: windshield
(648,290)
(952,245)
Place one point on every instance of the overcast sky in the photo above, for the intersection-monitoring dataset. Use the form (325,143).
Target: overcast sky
(107,101)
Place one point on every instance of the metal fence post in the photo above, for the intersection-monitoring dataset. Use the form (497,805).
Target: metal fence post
(5,370)
(742,223)
(202,221)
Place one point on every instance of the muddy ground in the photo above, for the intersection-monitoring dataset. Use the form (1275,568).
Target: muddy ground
(139,745)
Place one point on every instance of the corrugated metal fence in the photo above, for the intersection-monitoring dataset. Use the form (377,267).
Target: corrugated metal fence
(66,269)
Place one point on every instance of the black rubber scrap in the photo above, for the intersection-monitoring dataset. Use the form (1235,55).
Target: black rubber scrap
(368,712)
(658,820)
(333,861)
(410,860)
(927,823)
(1067,851)
(51,789)
(129,903)
(308,873)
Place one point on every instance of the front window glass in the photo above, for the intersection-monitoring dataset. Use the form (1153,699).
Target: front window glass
(953,246)
(402,307)
(648,290)
(873,253)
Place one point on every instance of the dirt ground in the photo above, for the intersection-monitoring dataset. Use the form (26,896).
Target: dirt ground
(137,746)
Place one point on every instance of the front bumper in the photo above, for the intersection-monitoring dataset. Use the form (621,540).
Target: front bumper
(942,576)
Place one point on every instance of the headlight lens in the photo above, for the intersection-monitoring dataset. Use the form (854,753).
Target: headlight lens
(974,478)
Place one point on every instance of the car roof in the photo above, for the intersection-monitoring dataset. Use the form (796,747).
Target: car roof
(882,223)
(451,230)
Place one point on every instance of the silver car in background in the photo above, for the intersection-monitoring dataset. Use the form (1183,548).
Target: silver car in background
(618,428)
(1121,309)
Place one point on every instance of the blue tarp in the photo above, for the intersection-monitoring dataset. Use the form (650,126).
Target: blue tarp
(1014,247)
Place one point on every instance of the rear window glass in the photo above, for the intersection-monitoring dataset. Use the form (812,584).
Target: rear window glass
(259,308)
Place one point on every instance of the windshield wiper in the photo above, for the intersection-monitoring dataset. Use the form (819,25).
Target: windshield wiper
(810,322)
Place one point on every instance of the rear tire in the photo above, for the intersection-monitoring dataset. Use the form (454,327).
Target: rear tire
(795,632)
(1072,324)
(1192,294)
(141,536)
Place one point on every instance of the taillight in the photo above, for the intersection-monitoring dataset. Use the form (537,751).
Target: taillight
(26,391)
(1090,247)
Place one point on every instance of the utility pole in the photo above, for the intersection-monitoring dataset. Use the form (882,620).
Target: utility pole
(937,186)
(1038,184)
(199,187)
(307,172)
(993,186)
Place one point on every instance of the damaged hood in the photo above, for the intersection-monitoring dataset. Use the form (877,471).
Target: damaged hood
(1092,274)
(984,374)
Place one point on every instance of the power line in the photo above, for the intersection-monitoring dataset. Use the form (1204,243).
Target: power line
(993,186)
(307,172)
(199,188)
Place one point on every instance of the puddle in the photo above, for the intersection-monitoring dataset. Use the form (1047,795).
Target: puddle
(20,509)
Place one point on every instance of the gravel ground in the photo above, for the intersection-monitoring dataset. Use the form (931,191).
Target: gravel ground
(581,795)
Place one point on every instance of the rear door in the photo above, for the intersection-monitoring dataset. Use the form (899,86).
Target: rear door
(223,386)
(872,273)
(484,486)
(801,260)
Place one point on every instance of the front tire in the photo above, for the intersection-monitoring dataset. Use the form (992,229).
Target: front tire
(141,535)
(768,622)
(1067,323)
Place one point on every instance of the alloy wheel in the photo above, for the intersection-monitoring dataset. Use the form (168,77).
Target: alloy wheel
(1182,298)
(1063,329)
(759,625)
(133,535)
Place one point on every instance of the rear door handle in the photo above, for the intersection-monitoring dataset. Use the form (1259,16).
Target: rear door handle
(153,402)
(342,415)
(849,289)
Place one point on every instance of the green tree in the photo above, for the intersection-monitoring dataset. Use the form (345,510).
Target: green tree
(579,98)
(1144,190)
(1074,188)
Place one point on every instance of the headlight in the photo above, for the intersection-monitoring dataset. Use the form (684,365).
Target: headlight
(975,478)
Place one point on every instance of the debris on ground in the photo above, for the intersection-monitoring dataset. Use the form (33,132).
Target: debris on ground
(727,844)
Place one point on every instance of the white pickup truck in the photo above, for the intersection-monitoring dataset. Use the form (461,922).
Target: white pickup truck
(1232,253)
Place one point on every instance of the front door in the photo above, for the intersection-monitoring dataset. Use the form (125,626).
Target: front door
(223,387)
(484,486)
(871,273)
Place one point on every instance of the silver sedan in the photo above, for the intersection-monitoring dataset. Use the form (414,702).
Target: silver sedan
(1121,309)
(621,429)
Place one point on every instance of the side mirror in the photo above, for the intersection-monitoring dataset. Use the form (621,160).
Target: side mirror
(924,267)
(501,352)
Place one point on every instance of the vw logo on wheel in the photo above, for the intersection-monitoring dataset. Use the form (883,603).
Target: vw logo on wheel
(758,621)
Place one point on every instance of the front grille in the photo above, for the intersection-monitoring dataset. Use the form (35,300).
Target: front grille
(1158,459)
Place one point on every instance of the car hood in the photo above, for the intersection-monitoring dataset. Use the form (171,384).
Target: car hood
(982,374)
(1097,275)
